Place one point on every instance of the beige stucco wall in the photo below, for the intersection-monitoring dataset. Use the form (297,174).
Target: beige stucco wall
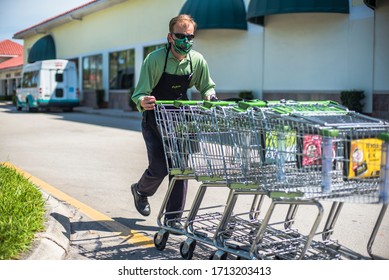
(319,53)
(381,61)
(125,24)
(234,56)
(10,73)
(305,52)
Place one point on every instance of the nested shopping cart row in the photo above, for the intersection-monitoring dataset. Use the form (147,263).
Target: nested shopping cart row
(293,154)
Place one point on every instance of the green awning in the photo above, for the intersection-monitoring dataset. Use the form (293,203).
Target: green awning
(217,14)
(370,3)
(43,49)
(258,9)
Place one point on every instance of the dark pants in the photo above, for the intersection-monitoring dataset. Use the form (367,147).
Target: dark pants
(157,169)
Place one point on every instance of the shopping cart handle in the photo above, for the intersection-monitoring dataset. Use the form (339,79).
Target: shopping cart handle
(298,107)
(164,102)
(181,103)
(251,103)
(295,102)
(210,104)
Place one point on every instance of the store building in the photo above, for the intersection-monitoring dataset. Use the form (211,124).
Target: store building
(11,64)
(275,49)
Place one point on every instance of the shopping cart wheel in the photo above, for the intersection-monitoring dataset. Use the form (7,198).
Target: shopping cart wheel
(160,239)
(218,255)
(187,247)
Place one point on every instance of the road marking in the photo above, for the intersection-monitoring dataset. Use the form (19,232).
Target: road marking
(129,235)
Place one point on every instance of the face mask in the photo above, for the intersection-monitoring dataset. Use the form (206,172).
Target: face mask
(182,46)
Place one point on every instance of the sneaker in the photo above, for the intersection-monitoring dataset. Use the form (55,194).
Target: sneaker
(141,203)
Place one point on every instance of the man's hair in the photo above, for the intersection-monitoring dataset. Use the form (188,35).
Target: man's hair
(181,18)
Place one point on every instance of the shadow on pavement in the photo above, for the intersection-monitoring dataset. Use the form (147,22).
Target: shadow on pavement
(101,120)
(131,121)
(101,240)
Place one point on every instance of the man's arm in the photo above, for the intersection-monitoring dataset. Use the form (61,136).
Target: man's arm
(150,74)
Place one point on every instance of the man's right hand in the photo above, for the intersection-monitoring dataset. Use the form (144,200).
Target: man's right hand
(148,102)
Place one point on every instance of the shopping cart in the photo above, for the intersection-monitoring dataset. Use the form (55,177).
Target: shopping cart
(184,158)
(359,167)
(174,133)
(229,153)
(223,155)
(232,153)
(311,145)
(298,178)
(196,149)
(263,151)
(263,144)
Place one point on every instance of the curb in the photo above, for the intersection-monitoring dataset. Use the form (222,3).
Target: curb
(52,244)
(109,112)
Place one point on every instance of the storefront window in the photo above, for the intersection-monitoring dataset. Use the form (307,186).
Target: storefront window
(92,72)
(121,69)
(149,49)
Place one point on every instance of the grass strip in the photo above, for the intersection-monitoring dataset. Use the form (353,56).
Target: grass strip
(22,213)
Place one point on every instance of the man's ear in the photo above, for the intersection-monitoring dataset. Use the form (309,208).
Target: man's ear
(170,38)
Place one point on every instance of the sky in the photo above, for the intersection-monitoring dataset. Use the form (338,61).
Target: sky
(17,15)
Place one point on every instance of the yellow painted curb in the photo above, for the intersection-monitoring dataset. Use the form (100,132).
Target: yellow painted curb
(130,236)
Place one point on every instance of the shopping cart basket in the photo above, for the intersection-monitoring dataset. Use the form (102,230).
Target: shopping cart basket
(230,149)
(261,151)
(173,129)
(224,156)
(185,159)
(300,178)
(264,144)
(344,174)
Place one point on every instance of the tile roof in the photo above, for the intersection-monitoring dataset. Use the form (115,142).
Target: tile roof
(13,51)
(12,62)
(10,48)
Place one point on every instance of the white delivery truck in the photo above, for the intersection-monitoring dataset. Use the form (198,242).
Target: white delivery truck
(47,84)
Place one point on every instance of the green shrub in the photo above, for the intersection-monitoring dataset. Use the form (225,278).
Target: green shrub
(352,99)
(6,98)
(246,94)
(22,211)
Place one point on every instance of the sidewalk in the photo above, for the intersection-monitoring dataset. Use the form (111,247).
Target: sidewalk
(54,243)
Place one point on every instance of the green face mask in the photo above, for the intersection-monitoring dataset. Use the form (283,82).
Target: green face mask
(182,46)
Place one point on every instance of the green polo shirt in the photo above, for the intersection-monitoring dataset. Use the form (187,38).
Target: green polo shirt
(152,70)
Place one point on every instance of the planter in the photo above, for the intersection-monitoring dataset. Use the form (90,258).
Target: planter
(100,95)
(130,102)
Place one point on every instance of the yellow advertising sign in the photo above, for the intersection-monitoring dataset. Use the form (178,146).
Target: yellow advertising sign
(365,158)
